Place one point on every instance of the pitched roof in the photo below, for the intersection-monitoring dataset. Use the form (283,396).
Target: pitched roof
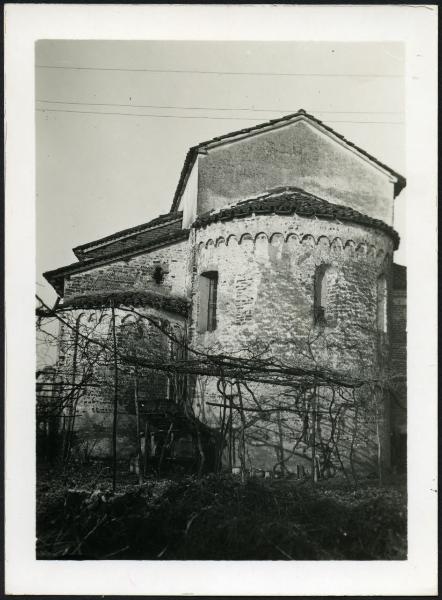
(175,304)
(273,123)
(129,238)
(293,200)
(56,277)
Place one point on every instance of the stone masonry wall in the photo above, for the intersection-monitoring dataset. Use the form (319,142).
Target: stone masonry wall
(135,273)
(266,272)
(266,280)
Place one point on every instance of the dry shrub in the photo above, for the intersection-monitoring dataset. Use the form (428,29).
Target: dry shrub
(218,518)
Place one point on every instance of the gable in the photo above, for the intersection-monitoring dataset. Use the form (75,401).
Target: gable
(300,154)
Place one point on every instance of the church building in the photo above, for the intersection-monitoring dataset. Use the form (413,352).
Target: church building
(265,308)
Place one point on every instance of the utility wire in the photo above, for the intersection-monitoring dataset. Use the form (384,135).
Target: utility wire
(269,74)
(285,111)
(90,112)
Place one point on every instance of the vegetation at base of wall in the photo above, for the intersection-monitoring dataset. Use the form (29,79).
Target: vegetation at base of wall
(219,518)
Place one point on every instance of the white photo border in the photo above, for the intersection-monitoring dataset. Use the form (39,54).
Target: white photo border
(414,25)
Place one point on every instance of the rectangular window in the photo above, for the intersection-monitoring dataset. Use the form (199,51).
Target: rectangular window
(208,300)
(320,295)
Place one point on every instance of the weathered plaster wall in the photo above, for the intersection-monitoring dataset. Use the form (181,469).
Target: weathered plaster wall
(296,155)
(136,273)
(188,203)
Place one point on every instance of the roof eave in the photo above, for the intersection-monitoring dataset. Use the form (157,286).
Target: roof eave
(57,282)
(399,185)
(189,162)
(173,304)
(82,250)
(56,276)
(247,209)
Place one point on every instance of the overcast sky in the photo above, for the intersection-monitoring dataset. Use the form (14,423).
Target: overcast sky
(114,121)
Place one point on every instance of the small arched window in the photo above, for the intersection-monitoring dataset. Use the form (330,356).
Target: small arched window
(325,279)
(381,298)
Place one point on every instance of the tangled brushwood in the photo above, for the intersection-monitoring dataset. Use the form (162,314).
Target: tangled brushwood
(219,518)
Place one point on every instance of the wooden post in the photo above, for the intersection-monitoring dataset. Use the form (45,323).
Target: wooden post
(115,415)
(230,434)
(314,474)
(72,408)
(137,413)
(242,439)
(147,445)
(378,436)
(281,442)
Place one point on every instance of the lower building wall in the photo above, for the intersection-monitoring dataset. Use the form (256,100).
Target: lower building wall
(91,368)
(350,435)
(399,368)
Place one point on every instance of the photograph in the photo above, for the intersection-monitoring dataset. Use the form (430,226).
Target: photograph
(220,300)
(221,370)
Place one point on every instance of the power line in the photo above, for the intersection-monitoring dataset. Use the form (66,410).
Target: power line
(269,74)
(90,112)
(285,111)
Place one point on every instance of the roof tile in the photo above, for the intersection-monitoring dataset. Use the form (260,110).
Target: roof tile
(128,238)
(292,200)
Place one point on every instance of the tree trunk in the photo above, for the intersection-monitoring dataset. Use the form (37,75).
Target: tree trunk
(314,472)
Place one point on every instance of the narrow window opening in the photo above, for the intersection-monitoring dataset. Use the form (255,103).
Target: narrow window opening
(382,297)
(208,301)
(158,275)
(324,280)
